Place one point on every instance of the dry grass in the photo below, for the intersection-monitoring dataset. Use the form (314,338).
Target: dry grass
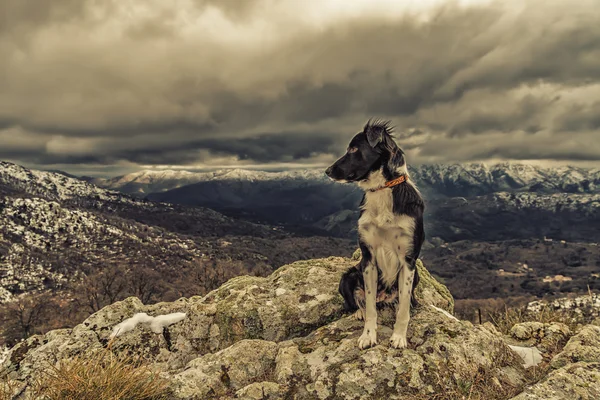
(7,389)
(100,376)
(505,319)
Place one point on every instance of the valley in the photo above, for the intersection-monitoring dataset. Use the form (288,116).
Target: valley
(500,233)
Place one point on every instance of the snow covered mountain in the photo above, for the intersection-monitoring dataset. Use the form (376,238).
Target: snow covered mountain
(153,181)
(480,179)
(437,179)
(540,200)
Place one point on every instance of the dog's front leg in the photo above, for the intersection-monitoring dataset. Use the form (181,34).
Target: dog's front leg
(369,335)
(405,280)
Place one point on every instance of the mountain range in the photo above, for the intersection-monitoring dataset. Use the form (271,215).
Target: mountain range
(464,201)
(442,179)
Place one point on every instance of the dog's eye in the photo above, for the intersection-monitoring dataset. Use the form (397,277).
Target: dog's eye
(352,149)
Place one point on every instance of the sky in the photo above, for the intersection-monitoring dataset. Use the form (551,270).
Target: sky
(107,87)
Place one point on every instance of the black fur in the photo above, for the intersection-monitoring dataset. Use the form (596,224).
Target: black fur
(372,150)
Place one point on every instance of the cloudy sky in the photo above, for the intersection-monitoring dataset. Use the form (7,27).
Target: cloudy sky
(105,87)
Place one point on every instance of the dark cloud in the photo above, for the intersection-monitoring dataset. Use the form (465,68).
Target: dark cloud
(148,83)
(273,147)
(27,16)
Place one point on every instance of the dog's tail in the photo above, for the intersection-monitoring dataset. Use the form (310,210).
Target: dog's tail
(413,299)
(351,280)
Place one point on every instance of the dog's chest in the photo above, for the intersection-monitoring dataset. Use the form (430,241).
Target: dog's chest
(379,225)
(388,235)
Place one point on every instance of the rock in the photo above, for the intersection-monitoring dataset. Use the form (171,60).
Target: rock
(577,370)
(527,330)
(575,381)
(260,391)
(547,337)
(442,354)
(491,328)
(227,371)
(585,346)
(285,336)
(430,291)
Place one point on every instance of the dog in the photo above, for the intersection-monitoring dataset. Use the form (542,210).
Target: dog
(390,230)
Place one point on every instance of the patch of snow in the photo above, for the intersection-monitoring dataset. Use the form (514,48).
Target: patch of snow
(157,323)
(531,355)
(446,313)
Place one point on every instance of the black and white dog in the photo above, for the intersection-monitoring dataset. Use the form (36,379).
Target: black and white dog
(390,231)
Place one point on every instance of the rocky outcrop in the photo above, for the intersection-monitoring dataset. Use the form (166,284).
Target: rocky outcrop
(576,373)
(285,336)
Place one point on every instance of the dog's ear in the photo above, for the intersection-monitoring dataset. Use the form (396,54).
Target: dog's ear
(374,133)
(396,160)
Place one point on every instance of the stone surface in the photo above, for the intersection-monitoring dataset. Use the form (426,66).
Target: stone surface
(576,373)
(585,346)
(286,337)
(575,381)
(547,337)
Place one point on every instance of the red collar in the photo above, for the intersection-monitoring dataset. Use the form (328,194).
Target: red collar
(392,183)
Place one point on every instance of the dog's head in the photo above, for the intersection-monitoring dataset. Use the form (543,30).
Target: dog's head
(371,150)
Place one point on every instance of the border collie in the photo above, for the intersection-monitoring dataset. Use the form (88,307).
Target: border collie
(390,230)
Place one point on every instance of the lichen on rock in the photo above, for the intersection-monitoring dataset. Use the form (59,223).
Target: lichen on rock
(286,336)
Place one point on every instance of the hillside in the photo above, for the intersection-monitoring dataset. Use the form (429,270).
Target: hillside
(285,336)
(87,247)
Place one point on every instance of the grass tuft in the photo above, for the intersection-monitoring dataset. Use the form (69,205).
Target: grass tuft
(101,376)
(8,389)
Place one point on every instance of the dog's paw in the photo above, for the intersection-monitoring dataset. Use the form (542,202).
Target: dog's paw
(367,339)
(358,315)
(398,341)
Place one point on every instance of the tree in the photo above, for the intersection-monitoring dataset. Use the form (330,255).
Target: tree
(144,283)
(102,288)
(23,317)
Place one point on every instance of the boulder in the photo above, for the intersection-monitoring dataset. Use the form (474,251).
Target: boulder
(574,381)
(576,370)
(585,346)
(285,336)
(547,337)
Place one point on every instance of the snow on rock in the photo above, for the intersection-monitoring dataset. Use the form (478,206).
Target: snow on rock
(446,313)
(531,355)
(157,324)
(575,370)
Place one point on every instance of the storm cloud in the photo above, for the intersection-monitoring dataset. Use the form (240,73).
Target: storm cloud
(202,82)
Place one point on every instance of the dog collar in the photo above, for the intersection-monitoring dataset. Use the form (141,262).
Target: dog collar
(392,183)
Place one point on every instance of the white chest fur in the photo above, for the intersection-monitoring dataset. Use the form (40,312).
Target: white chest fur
(387,235)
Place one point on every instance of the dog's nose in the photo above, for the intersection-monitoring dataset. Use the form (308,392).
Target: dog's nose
(328,171)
